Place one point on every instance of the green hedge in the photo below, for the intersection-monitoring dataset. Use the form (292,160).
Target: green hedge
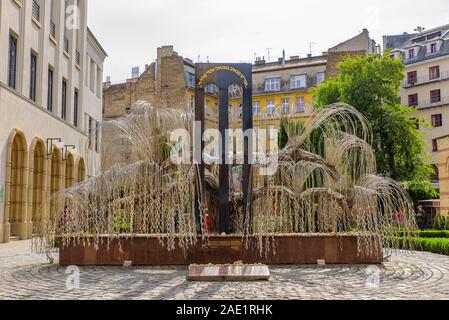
(428,234)
(441,223)
(434,245)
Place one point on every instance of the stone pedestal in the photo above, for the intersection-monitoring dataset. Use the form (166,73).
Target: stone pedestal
(211,273)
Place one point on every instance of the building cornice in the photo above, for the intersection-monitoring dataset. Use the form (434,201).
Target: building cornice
(424,61)
(19,95)
(94,41)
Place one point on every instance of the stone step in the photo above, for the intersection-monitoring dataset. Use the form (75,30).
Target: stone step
(226,273)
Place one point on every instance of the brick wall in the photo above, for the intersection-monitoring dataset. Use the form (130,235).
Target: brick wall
(334,58)
(168,89)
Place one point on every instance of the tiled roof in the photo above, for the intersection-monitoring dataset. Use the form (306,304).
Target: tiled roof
(421,40)
(398,41)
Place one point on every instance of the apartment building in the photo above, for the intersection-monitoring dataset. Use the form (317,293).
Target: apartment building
(51,68)
(426,83)
(282,88)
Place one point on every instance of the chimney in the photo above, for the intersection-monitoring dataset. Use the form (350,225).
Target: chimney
(309,56)
(259,61)
(165,51)
(283,57)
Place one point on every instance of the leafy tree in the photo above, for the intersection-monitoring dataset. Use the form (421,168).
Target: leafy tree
(371,84)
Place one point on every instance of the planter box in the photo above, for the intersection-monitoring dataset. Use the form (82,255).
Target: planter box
(289,249)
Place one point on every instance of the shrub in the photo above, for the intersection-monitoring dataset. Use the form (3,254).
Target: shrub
(439,223)
(120,225)
(425,234)
(446,226)
(434,245)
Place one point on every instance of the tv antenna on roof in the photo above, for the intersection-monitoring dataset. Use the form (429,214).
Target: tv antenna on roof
(269,54)
(310,47)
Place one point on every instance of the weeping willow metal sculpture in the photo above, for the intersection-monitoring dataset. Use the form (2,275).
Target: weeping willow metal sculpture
(326,184)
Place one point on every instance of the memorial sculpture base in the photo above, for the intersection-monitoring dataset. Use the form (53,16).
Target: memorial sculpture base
(289,249)
(213,273)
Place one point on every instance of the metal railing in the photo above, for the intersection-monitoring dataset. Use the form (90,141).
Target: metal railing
(36,10)
(52,29)
(274,114)
(66,45)
(444,75)
(424,104)
(77,57)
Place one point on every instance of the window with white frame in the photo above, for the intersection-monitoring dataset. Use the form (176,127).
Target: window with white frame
(273,84)
(211,89)
(270,107)
(256,108)
(320,77)
(300,105)
(433,47)
(285,106)
(190,77)
(298,81)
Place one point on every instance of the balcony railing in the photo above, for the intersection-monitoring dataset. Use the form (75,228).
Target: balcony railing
(444,75)
(36,10)
(424,104)
(275,114)
(77,57)
(66,45)
(52,29)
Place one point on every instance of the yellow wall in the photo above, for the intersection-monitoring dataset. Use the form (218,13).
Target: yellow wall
(264,120)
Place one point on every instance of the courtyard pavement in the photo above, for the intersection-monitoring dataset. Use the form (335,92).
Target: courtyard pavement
(420,276)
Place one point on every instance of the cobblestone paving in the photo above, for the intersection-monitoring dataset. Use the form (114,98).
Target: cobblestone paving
(24,275)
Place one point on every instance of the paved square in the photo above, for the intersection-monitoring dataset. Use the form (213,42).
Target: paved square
(24,275)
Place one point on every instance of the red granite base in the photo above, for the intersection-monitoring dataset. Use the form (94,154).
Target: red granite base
(290,249)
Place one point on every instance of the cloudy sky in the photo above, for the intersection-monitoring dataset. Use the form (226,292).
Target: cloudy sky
(236,30)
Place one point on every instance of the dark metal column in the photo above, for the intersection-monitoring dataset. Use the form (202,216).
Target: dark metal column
(248,147)
(199,198)
(223,193)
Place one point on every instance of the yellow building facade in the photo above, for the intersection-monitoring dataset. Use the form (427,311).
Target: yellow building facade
(281,89)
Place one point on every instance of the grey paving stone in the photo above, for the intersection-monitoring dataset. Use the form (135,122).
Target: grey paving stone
(24,275)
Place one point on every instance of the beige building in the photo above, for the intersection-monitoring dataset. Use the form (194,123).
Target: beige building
(50,102)
(426,83)
(426,87)
(443,161)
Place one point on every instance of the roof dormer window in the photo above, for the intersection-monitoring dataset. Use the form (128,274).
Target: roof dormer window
(411,53)
(433,48)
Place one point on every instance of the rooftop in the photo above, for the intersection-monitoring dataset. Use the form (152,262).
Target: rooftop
(420,41)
